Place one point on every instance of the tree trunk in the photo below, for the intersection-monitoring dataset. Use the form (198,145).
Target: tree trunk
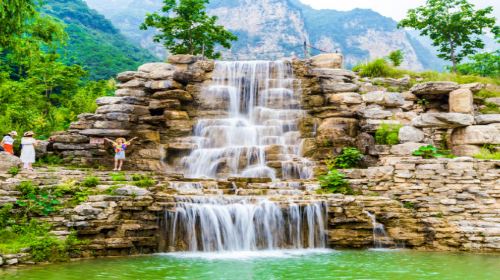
(453,57)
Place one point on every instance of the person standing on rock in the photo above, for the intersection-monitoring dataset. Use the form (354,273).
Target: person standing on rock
(28,150)
(8,142)
(120,145)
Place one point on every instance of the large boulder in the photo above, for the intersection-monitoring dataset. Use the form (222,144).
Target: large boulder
(327,60)
(410,134)
(434,88)
(8,161)
(443,120)
(461,101)
(476,135)
(334,128)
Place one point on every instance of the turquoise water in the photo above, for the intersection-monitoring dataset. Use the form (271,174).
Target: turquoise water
(274,265)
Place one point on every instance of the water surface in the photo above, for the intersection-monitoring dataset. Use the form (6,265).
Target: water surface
(296,264)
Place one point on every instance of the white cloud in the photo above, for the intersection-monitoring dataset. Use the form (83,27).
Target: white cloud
(395,9)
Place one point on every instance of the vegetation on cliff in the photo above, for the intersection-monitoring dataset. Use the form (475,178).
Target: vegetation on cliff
(93,42)
(38,90)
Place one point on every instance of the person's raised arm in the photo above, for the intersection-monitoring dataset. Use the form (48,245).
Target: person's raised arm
(110,141)
(130,141)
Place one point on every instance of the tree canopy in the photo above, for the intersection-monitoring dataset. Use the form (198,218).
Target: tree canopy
(185,28)
(37,91)
(454,26)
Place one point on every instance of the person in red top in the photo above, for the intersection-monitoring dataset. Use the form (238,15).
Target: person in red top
(120,145)
(8,142)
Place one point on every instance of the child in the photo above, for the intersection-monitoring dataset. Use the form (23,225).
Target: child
(28,150)
(8,142)
(120,145)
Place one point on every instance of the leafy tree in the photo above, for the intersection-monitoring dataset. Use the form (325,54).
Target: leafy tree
(453,25)
(396,57)
(13,15)
(483,64)
(185,28)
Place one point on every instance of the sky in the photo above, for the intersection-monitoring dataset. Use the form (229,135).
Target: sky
(395,9)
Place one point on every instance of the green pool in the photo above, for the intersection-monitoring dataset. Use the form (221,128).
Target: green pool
(274,265)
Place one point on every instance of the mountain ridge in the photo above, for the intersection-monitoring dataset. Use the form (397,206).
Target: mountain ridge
(270,29)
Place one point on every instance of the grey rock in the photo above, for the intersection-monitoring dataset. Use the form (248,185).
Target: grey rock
(106,132)
(376,97)
(443,120)
(474,87)
(494,100)
(155,66)
(107,100)
(126,76)
(375,113)
(161,85)
(86,209)
(330,72)
(488,119)
(132,190)
(182,59)
(339,87)
(406,149)
(410,134)
(476,135)
(130,92)
(134,83)
(327,60)
(8,161)
(434,88)
(123,108)
(70,138)
(345,98)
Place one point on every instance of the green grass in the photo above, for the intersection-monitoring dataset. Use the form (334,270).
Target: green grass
(381,68)
(118,177)
(488,154)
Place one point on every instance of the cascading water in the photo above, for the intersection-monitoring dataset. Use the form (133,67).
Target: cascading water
(380,237)
(243,224)
(258,134)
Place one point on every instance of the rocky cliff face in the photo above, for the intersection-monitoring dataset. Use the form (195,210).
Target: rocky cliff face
(270,29)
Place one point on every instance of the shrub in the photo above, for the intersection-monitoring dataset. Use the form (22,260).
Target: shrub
(376,68)
(143,181)
(36,201)
(14,170)
(428,151)
(348,158)
(90,182)
(334,182)
(409,205)
(387,134)
(50,160)
(396,57)
(5,215)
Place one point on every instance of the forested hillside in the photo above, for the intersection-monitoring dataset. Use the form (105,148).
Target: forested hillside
(94,43)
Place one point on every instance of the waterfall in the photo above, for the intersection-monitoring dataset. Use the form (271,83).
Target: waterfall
(220,224)
(380,237)
(257,134)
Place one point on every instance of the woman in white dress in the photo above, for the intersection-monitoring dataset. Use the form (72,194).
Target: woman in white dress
(28,150)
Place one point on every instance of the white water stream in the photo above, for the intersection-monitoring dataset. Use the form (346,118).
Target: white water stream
(229,224)
(258,134)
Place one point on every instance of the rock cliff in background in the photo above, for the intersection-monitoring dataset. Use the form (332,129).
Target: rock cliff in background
(271,29)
